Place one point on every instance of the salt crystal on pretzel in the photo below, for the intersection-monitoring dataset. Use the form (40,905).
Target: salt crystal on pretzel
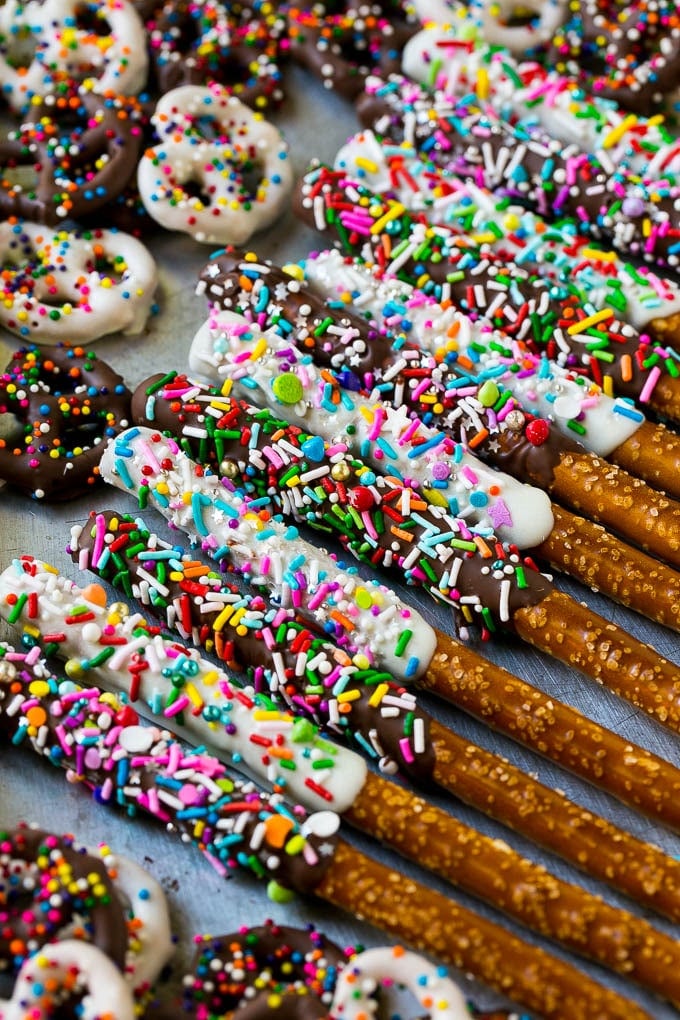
(67,286)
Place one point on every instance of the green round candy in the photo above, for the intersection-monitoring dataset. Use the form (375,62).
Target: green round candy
(288,388)
(277,894)
(488,393)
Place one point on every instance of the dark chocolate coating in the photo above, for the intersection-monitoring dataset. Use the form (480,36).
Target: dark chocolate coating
(255,649)
(25,893)
(341,44)
(227,447)
(195,42)
(280,972)
(68,402)
(623,51)
(83,150)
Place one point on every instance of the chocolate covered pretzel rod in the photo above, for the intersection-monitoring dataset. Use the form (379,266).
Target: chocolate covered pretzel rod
(451,670)
(388,363)
(609,428)
(597,279)
(605,194)
(511,299)
(451,58)
(332,489)
(236,825)
(312,678)
(391,157)
(173,682)
(556,624)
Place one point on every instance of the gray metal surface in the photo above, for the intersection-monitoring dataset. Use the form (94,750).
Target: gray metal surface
(316,123)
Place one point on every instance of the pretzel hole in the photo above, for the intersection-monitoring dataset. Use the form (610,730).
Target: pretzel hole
(20,46)
(90,19)
(518,16)
(21,177)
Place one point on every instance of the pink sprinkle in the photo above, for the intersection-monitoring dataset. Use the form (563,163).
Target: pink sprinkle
(177,706)
(652,380)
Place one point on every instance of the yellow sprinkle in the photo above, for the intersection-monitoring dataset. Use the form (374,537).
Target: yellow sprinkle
(487,237)
(602,256)
(366,164)
(378,694)
(193,694)
(617,133)
(482,88)
(591,320)
(222,618)
(259,349)
(348,696)
(294,270)
(396,210)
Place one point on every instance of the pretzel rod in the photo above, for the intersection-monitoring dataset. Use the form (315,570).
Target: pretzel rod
(512,299)
(235,825)
(634,670)
(433,138)
(609,428)
(454,672)
(368,514)
(280,654)
(382,159)
(398,371)
(453,59)
(529,163)
(585,550)
(172,681)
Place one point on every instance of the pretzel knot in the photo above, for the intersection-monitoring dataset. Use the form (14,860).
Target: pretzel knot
(44,45)
(75,287)
(65,973)
(67,404)
(51,888)
(382,968)
(270,970)
(341,44)
(626,53)
(219,171)
(195,42)
(72,154)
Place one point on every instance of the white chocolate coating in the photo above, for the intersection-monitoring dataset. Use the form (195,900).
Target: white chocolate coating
(548,15)
(106,992)
(153,945)
(210,138)
(487,500)
(549,391)
(118,60)
(334,787)
(361,978)
(77,302)
(320,586)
